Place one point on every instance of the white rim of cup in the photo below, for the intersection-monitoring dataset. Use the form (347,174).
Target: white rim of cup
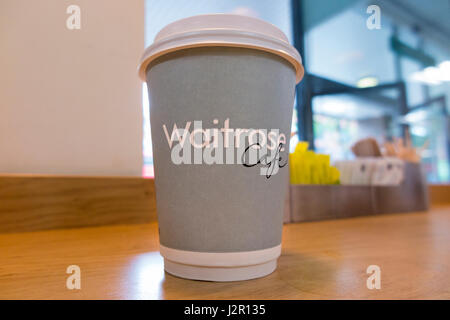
(222,38)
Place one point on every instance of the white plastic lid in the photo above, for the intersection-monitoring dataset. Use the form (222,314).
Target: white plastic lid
(225,30)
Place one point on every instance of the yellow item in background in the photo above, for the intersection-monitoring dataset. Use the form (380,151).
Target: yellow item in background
(307,167)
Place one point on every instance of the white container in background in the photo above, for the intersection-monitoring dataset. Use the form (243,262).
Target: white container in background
(377,171)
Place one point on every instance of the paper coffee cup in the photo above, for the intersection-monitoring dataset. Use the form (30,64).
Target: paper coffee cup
(221,90)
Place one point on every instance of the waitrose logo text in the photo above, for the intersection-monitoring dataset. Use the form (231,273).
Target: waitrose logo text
(193,144)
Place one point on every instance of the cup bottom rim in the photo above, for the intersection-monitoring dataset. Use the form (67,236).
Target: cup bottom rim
(219,274)
(220,259)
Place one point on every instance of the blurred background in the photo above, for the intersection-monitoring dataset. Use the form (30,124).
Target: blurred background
(71,101)
(360,82)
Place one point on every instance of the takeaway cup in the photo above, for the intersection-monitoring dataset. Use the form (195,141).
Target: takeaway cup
(221,90)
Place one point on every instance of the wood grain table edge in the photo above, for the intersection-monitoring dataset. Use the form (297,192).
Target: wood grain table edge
(42,202)
(30,202)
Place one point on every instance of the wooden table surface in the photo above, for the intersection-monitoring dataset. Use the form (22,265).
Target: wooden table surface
(319,260)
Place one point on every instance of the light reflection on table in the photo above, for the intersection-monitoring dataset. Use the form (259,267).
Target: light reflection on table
(146,274)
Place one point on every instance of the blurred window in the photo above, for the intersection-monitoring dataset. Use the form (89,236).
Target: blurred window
(341,48)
